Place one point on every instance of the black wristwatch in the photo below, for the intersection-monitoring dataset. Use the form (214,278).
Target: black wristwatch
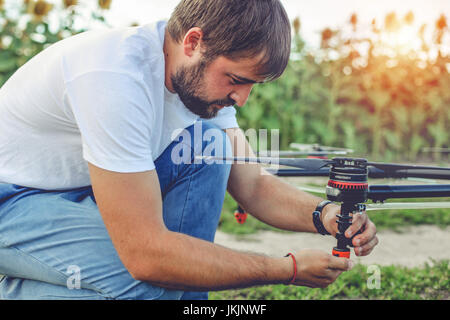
(316,217)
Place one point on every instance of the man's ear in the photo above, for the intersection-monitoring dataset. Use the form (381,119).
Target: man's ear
(192,42)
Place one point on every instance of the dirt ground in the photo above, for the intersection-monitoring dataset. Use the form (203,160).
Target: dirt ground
(412,247)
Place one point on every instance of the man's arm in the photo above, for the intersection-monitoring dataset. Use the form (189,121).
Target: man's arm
(131,208)
(265,196)
(281,205)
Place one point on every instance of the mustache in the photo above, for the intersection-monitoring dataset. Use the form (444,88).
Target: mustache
(224,102)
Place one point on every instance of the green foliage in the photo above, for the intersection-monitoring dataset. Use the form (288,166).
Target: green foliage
(430,282)
(360,92)
(25,31)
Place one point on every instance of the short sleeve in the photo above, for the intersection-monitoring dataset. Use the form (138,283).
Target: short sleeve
(225,119)
(114,116)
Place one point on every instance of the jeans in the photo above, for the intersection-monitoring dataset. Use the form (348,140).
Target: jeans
(54,244)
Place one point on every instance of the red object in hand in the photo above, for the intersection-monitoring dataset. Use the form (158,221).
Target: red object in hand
(345,253)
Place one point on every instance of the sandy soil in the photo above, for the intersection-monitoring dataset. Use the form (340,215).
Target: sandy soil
(411,247)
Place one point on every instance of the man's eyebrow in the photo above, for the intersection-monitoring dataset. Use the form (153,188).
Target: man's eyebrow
(243,80)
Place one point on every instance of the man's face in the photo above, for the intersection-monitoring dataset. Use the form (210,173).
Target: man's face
(205,88)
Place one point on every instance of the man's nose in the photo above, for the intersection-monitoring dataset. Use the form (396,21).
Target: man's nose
(241,94)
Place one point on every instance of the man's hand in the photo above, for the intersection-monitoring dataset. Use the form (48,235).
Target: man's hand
(363,243)
(317,269)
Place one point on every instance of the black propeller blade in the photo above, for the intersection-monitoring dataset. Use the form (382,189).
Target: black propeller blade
(303,163)
(376,169)
(397,167)
(287,153)
(317,147)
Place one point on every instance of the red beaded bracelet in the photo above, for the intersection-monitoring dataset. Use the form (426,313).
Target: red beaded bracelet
(295,267)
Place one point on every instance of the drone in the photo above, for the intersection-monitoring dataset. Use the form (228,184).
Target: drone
(317,147)
(348,185)
(309,150)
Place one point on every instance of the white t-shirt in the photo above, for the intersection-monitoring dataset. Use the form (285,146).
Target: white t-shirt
(98,96)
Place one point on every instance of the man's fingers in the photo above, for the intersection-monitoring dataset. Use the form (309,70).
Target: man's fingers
(368,235)
(367,248)
(358,221)
(343,264)
(332,274)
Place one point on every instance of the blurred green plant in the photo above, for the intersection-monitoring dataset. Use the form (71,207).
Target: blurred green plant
(26,28)
(366,88)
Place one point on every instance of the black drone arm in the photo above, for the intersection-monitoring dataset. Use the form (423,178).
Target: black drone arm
(410,173)
(324,172)
(382,192)
(373,173)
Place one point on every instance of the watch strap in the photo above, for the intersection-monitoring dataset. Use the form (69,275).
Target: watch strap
(316,217)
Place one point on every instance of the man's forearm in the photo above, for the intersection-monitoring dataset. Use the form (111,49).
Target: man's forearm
(281,205)
(187,263)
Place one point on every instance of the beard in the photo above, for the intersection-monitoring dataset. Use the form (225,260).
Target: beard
(187,82)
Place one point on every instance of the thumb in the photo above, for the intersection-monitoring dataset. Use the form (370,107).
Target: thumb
(343,264)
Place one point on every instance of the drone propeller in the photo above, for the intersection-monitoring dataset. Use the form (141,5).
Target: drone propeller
(317,147)
(398,167)
(300,153)
(303,163)
(316,164)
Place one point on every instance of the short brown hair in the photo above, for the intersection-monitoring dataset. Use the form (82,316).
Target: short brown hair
(238,29)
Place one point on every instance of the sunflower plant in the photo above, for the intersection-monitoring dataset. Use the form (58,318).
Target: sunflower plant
(29,26)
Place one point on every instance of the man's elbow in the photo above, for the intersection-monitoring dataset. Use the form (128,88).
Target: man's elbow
(143,263)
(136,271)
(142,270)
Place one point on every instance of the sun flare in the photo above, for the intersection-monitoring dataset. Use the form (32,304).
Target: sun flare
(403,40)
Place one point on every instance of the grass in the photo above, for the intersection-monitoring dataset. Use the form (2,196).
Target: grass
(430,282)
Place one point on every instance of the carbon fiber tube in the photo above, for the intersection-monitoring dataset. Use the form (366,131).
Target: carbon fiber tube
(383,192)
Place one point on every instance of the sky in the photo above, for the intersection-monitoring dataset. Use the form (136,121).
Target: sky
(315,15)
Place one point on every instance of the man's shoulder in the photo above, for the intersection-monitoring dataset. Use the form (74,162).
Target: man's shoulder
(130,49)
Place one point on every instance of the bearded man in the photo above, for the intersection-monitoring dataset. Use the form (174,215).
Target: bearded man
(92,203)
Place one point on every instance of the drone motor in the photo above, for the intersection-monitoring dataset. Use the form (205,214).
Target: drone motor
(348,185)
(348,180)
